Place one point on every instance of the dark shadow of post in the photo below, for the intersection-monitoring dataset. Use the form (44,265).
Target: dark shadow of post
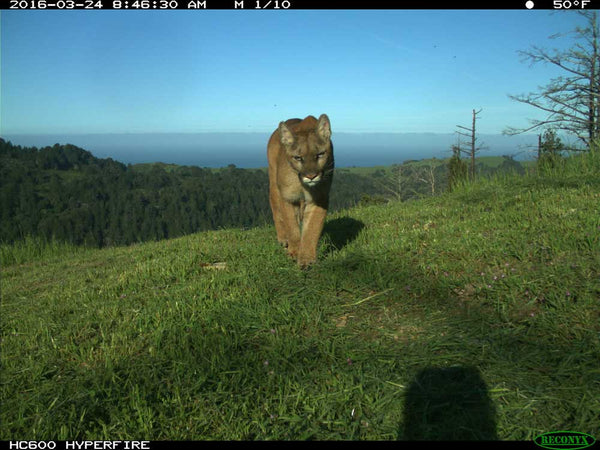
(448,404)
(340,232)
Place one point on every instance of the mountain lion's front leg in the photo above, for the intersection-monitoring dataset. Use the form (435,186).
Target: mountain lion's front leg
(276,206)
(312,226)
(289,213)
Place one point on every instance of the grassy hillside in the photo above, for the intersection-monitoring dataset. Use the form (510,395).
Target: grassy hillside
(472,315)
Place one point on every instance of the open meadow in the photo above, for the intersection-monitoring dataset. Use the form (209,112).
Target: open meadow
(469,315)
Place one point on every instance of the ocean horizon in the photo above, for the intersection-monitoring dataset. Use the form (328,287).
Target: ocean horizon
(248,150)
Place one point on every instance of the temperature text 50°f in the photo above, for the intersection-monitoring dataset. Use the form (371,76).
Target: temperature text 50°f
(568,4)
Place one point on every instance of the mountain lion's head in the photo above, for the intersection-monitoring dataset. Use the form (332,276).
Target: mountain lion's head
(308,149)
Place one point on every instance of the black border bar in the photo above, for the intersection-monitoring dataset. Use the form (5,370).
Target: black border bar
(283,5)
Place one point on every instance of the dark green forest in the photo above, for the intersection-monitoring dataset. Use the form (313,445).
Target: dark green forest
(64,193)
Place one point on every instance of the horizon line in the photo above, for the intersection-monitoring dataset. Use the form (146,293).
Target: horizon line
(246,132)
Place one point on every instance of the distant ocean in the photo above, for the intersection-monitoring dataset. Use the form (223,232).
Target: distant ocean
(248,150)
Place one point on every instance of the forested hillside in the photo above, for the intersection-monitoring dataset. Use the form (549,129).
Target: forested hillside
(65,193)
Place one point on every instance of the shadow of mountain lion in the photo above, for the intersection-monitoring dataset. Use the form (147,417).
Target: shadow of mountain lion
(340,232)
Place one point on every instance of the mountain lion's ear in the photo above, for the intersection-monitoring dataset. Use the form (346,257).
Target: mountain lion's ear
(324,127)
(286,136)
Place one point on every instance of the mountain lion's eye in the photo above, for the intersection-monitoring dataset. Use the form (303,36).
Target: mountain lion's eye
(298,158)
(320,155)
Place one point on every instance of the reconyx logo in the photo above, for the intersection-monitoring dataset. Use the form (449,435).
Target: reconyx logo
(564,440)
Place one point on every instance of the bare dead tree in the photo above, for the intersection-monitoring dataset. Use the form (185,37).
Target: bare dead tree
(393,182)
(572,101)
(473,148)
(426,174)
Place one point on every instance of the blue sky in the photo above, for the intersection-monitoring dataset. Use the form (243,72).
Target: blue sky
(226,70)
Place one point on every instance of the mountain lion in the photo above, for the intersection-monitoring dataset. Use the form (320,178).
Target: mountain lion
(300,155)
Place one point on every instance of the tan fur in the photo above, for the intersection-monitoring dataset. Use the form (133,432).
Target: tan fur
(300,157)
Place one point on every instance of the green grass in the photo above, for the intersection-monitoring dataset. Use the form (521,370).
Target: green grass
(472,315)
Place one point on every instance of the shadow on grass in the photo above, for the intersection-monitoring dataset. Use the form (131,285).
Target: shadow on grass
(340,232)
(450,403)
